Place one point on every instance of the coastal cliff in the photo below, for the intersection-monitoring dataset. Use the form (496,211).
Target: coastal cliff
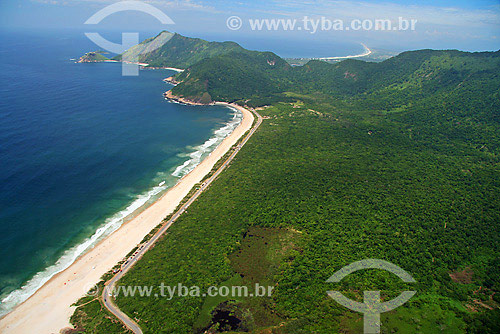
(203,101)
(171,80)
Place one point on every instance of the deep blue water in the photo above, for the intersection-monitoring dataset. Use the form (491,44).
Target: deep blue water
(79,144)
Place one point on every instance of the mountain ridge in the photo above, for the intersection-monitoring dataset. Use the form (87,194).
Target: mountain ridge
(234,76)
(168,49)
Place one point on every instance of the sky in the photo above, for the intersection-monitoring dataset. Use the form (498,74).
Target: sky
(440,24)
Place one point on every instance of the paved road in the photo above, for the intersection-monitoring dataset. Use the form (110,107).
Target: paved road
(108,287)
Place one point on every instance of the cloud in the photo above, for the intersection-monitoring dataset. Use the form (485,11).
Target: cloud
(445,16)
(171,4)
(337,9)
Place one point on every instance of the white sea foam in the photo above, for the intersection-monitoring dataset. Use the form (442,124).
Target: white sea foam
(201,151)
(113,223)
(174,101)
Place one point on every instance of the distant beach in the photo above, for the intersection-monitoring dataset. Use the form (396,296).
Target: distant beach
(364,54)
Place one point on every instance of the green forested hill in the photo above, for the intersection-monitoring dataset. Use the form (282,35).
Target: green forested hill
(410,73)
(453,94)
(173,50)
(91,57)
(239,75)
(398,160)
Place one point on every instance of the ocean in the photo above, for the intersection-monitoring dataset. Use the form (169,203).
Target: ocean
(81,149)
(303,45)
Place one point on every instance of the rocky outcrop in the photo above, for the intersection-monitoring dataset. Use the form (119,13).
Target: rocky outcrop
(92,57)
(171,80)
(204,101)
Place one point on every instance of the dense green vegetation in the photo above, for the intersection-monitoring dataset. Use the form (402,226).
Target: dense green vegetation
(235,76)
(386,85)
(90,57)
(397,160)
(239,75)
(173,50)
(352,195)
(91,316)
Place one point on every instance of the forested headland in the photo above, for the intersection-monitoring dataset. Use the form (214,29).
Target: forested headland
(397,160)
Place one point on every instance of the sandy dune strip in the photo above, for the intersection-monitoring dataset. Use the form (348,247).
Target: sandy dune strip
(49,309)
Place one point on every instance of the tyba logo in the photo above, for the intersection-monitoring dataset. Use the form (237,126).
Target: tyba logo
(371,306)
(130,66)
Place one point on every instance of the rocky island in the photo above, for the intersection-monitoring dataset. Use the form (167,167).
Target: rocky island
(93,57)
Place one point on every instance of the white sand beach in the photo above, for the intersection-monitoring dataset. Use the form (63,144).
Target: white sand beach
(367,52)
(49,309)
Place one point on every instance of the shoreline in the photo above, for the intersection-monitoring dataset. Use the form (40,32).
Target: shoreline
(143,65)
(48,310)
(368,52)
(181,100)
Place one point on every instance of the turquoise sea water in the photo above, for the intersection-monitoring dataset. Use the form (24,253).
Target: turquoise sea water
(81,147)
